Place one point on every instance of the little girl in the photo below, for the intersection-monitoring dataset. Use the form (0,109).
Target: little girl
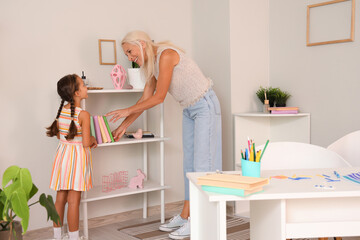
(72,168)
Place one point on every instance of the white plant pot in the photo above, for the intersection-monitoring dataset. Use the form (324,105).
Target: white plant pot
(136,78)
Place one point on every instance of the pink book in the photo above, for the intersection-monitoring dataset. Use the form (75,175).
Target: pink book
(284,112)
(97,130)
(108,139)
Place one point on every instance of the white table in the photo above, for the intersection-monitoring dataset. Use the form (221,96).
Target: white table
(286,209)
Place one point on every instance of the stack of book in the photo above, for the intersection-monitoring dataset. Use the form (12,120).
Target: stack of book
(99,128)
(284,110)
(232,184)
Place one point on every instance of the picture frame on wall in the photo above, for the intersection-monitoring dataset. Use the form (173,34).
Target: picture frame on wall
(107,52)
(330,22)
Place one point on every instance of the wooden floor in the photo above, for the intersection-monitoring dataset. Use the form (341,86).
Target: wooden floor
(103,228)
(106,228)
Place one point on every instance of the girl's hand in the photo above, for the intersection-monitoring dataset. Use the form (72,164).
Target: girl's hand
(117,114)
(118,133)
(93,142)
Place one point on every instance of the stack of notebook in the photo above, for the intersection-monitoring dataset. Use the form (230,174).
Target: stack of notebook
(232,184)
(100,129)
(284,110)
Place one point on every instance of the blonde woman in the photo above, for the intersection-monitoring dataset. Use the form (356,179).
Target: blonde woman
(168,69)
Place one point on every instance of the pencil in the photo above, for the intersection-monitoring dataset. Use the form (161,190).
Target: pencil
(258,156)
(262,153)
(254,152)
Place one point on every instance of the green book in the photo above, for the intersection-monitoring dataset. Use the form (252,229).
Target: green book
(108,128)
(231,191)
(92,128)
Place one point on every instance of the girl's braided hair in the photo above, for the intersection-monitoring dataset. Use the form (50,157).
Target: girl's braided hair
(66,88)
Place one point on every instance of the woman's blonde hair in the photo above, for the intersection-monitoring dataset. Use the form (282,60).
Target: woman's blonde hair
(135,38)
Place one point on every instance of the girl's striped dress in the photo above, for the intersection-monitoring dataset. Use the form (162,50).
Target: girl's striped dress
(72,168)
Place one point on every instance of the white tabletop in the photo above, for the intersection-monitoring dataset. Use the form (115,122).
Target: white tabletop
(294,189)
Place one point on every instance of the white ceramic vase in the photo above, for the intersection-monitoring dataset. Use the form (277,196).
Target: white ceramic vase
(136,78)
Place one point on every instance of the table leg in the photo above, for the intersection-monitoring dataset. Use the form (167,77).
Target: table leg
(208,219)
(263,215)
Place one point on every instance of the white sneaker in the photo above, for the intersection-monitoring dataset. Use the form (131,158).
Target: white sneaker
(173,224)
(182,232)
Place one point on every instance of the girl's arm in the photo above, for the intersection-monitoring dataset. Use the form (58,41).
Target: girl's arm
(168,60)
(84,121)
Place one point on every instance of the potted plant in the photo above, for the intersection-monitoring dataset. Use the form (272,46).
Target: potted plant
(281,98)
(17,189)
(136,76)
(270,94)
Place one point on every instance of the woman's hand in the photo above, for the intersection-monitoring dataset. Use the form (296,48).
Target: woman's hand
(93,142)
(118,133)
(117,114)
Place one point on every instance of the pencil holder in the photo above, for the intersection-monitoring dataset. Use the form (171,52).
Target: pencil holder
(250,169)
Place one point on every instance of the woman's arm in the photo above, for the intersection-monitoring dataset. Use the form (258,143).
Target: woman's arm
(148,92)
(168,60)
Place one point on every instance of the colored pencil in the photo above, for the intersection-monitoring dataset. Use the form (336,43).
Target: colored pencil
(264,149)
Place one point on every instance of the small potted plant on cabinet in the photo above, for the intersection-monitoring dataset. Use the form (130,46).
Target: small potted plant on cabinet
(281,98)
(17,189)
(136,76)
(270,94)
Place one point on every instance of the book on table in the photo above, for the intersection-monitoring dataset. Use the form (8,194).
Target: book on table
(232,181)
(231,191)
(284,111)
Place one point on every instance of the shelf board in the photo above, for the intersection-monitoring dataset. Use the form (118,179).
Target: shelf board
(260,114)
(116,91)
(96,192)
(125,141)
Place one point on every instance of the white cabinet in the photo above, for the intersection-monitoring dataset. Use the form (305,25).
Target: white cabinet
(260,127)
(150,185)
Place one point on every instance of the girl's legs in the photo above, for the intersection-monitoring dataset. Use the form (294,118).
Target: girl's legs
(73,199)
(61,199)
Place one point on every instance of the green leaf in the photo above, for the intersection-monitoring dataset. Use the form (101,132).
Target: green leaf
(2,196)
(33,191)
(5,214)
(11,188)
(1,211)
(20,207)
(48,203)
(2,202)
(25,180)
(10,173)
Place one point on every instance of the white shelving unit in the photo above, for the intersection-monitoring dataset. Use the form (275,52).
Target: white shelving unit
(275,127)
(96,193)
(260,127)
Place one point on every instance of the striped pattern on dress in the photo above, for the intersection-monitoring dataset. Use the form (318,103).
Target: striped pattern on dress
(72,168)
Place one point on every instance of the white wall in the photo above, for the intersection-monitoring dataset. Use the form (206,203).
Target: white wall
(249,45)
(40,42)
(211,48)
(323,80)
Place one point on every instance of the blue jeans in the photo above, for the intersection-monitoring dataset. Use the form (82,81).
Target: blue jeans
(202,137)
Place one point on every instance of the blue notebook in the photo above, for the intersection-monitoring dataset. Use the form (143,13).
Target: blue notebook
(231,191)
